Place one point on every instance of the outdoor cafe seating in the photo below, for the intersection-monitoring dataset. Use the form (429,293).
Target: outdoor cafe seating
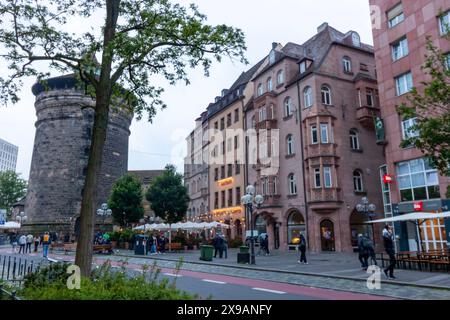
(433,260)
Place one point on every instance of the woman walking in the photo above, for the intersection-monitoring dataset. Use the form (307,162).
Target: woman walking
(302,248)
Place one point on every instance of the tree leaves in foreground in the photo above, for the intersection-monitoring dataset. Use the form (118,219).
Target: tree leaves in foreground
(431,108)
(168,196)
(139,42)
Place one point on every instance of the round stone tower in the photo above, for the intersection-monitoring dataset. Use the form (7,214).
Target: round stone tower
(65,116)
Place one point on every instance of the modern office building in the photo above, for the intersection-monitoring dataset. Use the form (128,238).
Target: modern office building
(8,156)
(400,41)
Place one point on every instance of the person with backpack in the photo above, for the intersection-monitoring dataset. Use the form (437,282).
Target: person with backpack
(46,241)
(302,248)
(388,240)
(363,253)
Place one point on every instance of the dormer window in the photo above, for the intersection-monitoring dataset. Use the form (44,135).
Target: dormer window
(272,57)
(303,67)
(356,39)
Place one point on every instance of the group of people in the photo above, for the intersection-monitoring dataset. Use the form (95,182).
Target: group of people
(25,242)
(264,244)
(220,244)
(101,238)
(156,244)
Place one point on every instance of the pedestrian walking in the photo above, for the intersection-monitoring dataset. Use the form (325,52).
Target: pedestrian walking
(363,253)
(225,246)
(13,240)
(22,243)
(162,244)
(217,243)
(388,240)
(302,248)
(37,240)
(46,241)
(30,239)
(154,245)
(368,244)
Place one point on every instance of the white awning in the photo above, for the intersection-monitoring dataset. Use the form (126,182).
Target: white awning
(10,225)
(414,216)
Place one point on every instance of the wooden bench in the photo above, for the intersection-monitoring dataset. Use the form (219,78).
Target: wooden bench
(56,245)
(175,246)
(102,248)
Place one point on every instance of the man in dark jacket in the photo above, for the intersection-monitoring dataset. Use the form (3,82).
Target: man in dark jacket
(388,240)
(218,246)
(363,253)
(302,248)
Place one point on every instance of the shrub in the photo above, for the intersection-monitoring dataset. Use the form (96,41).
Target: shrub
(236,243)
(104,284)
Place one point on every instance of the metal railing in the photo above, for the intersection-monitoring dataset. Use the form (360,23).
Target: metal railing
(15,268)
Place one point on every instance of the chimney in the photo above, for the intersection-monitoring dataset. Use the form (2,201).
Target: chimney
(322,27)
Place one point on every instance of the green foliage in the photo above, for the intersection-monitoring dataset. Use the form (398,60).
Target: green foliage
(180,238)
(127,235)
(55,273)
(431,108)
(168,196)
(126,197)
(12,189)
(114,236)
(236,243)
(106,284)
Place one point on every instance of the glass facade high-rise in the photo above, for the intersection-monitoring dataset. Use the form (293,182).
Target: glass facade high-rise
(8,156)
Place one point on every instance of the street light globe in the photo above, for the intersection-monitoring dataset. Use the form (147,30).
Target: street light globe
(250,190)
(372,207)
(104,206)
(100,212)
(246,199)
(359,208)
(259,199)
(108,212)
(365,200)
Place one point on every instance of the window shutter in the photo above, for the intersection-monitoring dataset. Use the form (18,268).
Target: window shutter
(398,9)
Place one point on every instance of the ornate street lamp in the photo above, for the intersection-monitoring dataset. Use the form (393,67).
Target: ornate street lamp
(249,200)
(21,217)
(368,209)
(104,212)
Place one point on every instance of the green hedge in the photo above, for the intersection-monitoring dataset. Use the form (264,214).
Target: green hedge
(104,284)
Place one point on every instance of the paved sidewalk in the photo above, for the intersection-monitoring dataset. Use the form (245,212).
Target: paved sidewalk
(338,265)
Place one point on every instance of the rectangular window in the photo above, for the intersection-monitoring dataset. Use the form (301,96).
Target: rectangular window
(395,15)
(386,190)
(229,120)
(238,196)
(347,65)
(230,170)
(223,147)
(236,142)
(324,133)
(407,129)
(224,204)
(369,96)
(275,185)
(327,177)
(216,125)
(303,67)
(400,49)
(216,200)
(417,180)
(317,181)
(237,167)
(222,172)
(229,144)
(404,83)
(314,135)
(230,197)
(262,114)
(222,123)
(236,115)
(216,174)
(444,23)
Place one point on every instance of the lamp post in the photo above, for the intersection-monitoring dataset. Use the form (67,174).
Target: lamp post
(21,217)
(249,200)
(368,209)
(104,212)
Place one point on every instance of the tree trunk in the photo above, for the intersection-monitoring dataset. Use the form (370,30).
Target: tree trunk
(83,257)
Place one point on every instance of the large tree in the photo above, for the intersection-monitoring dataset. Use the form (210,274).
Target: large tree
(431,108)
(126,200)
(168,196)
(138,40)
(12,189)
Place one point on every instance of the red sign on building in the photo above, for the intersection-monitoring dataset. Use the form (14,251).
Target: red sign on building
(387,178)
(418,206)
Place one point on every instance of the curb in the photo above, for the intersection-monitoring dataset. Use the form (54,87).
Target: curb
(400,283)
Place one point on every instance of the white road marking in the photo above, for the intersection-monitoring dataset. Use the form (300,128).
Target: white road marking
(173,275)
(214,281)
(268,290)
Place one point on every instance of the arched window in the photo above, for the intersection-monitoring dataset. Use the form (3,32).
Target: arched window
(295,226)
(260,89)
(358,181)
(326,95)
(347,64)
(288,107)
(290,145)
(269,85)
(280,77)
(354,139)
(292,184)
(308,97)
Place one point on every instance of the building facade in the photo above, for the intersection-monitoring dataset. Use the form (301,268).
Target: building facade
(8,156)
(65,116)
(313,114)
(400,42)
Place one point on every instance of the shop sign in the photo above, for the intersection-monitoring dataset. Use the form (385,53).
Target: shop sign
(387,178)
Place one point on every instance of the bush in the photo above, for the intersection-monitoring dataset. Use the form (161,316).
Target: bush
(104,284)
(236,243)
(180,238)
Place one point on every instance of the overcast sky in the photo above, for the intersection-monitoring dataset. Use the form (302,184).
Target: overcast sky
(263,21)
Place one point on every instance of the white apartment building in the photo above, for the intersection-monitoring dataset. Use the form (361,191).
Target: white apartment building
(8,156)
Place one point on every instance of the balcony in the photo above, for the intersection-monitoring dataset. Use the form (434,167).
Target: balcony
(267,124)
(366,115)
(272,200)
(324,200)
(321,150)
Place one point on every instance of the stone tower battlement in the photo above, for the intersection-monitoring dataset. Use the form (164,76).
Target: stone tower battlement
(65,116)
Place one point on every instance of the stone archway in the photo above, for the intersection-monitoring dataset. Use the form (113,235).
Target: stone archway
(295,224)
(327,236)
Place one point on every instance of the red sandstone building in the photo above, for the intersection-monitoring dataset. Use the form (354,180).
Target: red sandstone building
(313,111)
(400,49)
